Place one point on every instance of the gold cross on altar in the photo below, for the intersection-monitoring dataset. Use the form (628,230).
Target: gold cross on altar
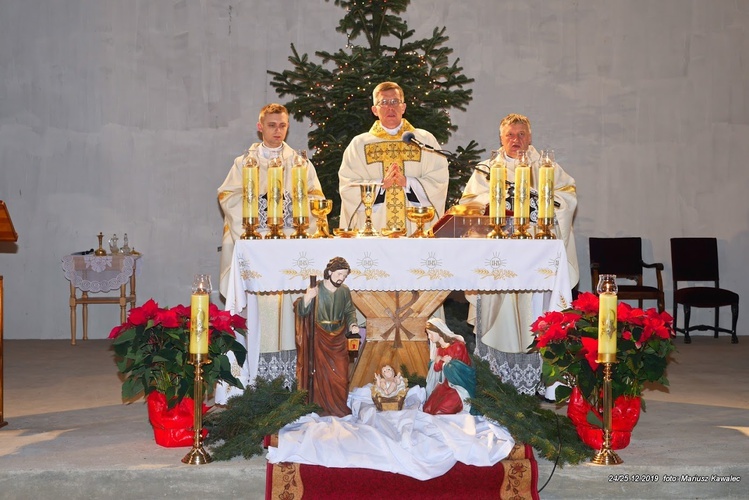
(387,153)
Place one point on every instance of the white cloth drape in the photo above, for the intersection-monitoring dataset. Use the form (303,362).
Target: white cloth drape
(408,442)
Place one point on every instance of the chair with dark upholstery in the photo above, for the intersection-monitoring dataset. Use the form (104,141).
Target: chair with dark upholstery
(623,257)
(696,260)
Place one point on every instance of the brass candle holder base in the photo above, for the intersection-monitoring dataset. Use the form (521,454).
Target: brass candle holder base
(197,455)
(275,230)
(250,229)
(498,233)
(300,228)
(521,229)
(545,229)
(606,456)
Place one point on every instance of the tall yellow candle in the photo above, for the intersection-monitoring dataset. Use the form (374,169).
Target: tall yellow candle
(607,327)
(275,192)
(250,181)
(245,190)
(497,184)
(522,199)
(546,192)
(299,197)
(199,304)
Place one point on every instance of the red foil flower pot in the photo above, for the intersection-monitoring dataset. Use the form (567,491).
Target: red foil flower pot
(172,428)
(624,416)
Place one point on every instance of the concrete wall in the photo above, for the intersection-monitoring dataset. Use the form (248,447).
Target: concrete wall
(125,116)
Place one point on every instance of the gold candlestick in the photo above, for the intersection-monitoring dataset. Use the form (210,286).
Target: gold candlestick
(275,230)
(300,228)
(499,231)
(198,455)
(545,229)
(320,209)
(250,229)
(606,456)
(521,229)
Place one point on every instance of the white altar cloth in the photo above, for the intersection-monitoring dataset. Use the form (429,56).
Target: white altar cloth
(408,442)
(386,264)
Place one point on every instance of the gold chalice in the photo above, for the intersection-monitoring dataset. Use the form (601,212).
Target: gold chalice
(420,216)
(368,195)
(320,209)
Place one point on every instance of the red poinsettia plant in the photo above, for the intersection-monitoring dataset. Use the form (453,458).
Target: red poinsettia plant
(152,351)
(568,343)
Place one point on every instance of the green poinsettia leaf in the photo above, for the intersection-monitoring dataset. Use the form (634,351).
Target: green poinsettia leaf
(593,418)
(562,392)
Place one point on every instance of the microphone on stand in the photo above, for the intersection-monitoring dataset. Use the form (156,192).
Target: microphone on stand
(410,138)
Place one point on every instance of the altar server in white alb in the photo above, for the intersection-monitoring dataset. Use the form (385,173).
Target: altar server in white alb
(506,317)
(410,175)
(276,310)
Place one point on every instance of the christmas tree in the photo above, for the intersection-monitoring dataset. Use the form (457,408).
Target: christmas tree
(335,94)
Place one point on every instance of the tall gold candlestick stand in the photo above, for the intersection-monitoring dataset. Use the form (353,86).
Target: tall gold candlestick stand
(300,228)
(521,229)
(606,456)
(197,455)
(498,232)
(546,229)
(250,229)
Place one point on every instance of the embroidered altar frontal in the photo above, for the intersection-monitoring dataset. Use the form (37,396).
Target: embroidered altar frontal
(514,477)
(403,264)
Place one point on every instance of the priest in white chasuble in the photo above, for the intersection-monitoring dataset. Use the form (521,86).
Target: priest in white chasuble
(506,317)
(410,176)
(276,310)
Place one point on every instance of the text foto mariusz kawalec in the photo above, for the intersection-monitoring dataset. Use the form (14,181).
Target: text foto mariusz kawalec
(672,478)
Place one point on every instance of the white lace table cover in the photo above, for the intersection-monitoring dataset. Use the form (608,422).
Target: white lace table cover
(383,264)
(90,273)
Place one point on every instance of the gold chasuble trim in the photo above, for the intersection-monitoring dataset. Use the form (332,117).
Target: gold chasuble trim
(392,150)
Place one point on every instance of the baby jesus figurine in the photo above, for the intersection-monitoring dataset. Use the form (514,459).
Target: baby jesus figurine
(388,384)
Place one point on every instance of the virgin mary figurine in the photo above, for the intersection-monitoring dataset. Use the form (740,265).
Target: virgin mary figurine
(451,379)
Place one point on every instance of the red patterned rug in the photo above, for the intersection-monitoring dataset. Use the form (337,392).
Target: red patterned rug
(515,477)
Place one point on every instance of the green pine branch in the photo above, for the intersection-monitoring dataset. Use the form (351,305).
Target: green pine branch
(262,410)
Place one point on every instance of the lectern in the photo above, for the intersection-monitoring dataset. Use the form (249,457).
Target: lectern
(7,233)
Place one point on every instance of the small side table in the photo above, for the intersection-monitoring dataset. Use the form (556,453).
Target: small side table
(89,273)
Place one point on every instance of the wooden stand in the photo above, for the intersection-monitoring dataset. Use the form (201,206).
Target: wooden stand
(7,233)
(396,331)
(123,300)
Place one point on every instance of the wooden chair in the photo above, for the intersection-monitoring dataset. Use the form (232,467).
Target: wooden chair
(623,257)
(696,260)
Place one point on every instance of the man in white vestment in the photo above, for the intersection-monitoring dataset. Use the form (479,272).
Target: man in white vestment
(409,175)
(276,310)
(506,317)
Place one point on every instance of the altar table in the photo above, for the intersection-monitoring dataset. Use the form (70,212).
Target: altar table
(91,273)
(395,272)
